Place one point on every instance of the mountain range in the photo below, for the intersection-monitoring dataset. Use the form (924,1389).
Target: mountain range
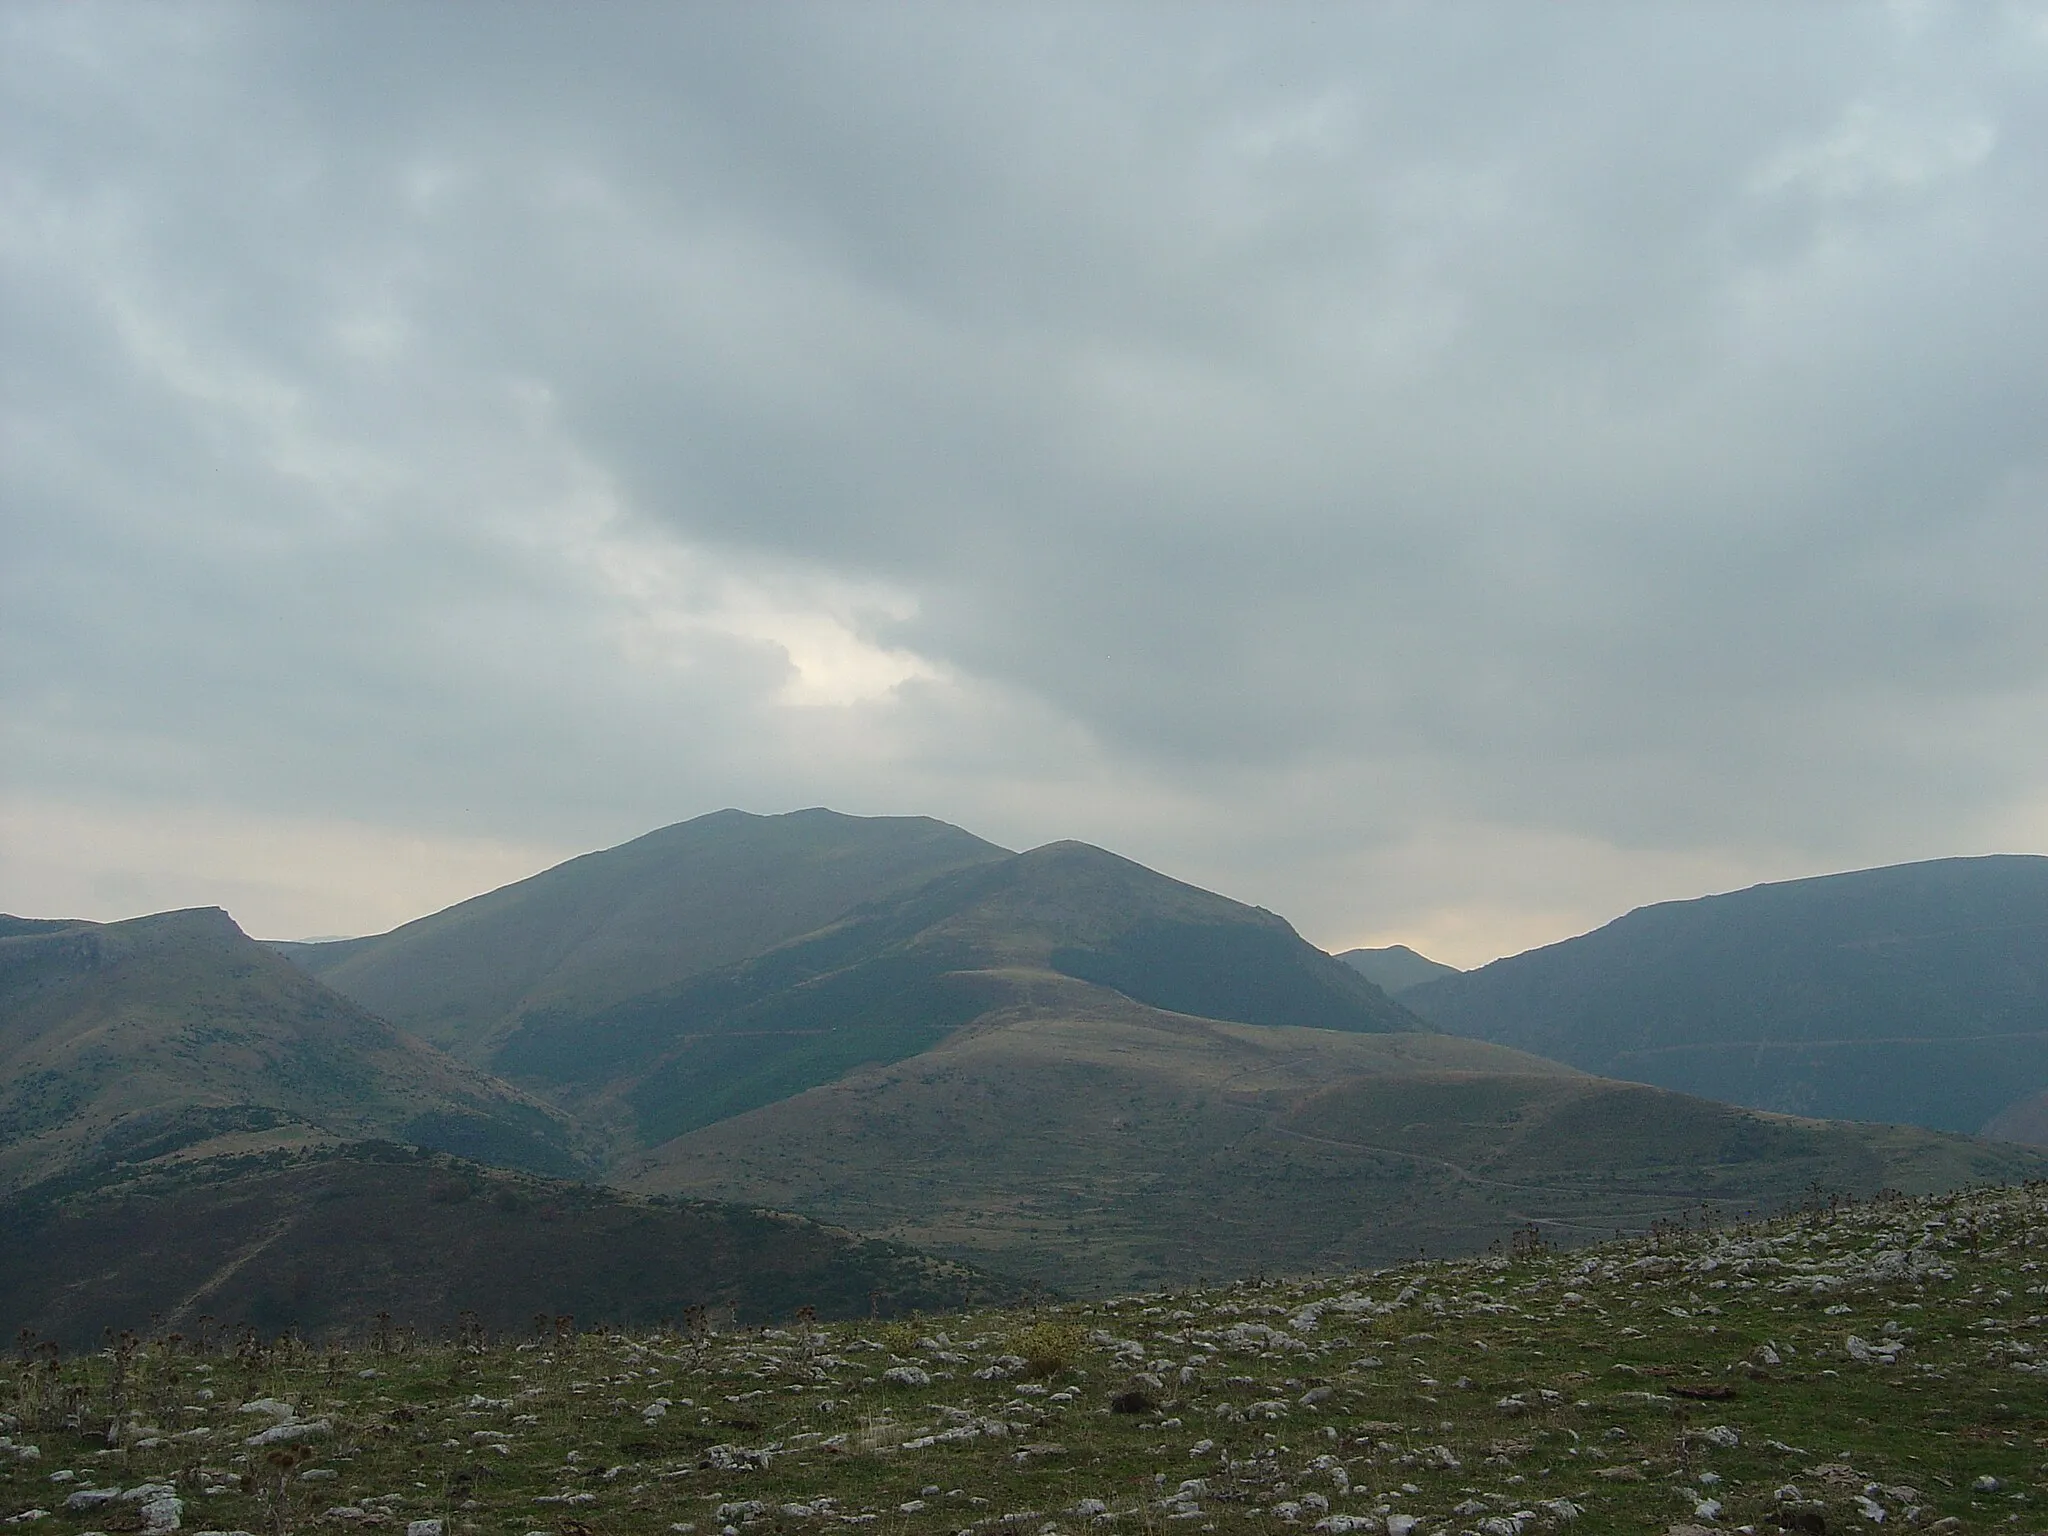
(890,966)
(1916,994)
(1058,1066)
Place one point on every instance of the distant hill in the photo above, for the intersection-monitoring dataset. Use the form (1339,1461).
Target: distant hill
(643,916)
(1916,994)
(726,962)
(1094,1144)
(176,1034)
(1395,968)
(900,974)
(323,1241)
(1060,1064)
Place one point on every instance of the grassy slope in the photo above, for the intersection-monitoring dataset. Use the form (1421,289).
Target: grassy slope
(633,919)
(1092,1144)
(898,976)
(129,1040)
(323,1241)
(1609,1390)
(1916,994)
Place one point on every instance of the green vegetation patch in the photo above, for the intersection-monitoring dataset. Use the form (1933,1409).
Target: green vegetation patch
(1846,1368)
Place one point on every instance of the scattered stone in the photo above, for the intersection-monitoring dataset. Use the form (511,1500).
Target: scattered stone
(292,1432)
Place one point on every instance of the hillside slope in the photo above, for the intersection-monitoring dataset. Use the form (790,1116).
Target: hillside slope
(643,916)
(323,1241)
(898,976)
(1850,1368)
(1916,994)
(133,1040)
(1093,1144)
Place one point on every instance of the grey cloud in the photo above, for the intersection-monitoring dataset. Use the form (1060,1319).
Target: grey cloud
(1617,425)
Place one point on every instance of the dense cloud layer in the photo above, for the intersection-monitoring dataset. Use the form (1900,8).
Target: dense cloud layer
(1445,472)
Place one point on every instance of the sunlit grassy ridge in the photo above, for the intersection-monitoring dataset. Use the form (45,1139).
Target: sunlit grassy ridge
(1840,1368)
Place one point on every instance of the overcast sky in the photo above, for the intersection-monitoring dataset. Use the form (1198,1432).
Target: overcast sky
(1446,472)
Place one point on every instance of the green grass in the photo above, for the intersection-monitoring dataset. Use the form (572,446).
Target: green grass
(1610,1389)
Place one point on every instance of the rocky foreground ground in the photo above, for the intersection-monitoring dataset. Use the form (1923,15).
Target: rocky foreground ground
(1845,1368)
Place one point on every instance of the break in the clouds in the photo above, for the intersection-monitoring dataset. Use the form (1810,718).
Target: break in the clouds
(1445,472)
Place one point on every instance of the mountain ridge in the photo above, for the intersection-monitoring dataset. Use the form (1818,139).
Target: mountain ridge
(1914,993)
(1094,1144)
(156,1035)
(1058,1063)
(622,921)
(894,977)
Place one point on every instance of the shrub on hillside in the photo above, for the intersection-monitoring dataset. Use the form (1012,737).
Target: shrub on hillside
(1048,1348)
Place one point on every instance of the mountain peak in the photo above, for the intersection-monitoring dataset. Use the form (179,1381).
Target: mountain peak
(648,914)
(1395,967)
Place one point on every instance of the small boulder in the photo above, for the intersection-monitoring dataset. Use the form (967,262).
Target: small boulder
(291,1432)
